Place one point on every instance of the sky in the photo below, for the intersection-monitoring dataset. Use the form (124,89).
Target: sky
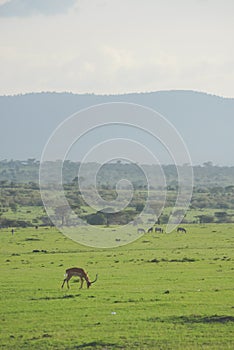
(116,46)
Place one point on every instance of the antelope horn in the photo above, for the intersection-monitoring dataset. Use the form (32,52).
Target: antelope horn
(95,279)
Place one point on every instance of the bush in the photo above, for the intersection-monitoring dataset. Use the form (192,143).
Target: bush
(96,219)
(4,222)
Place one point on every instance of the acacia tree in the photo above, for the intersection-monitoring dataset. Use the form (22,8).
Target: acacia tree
(222,216)
(62,213)
(205,219)
(13,207)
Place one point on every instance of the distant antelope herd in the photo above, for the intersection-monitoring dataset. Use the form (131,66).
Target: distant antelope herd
(159,229)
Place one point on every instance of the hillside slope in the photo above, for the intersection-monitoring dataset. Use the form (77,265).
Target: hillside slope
(206,122)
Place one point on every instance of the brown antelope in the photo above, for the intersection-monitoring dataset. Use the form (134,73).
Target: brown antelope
(76,271)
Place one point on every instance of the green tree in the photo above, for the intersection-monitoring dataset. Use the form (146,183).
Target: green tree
(222,216)
(62,213)
(203,219)
(13,207)
(96,219)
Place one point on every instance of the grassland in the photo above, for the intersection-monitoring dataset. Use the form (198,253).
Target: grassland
(164,291)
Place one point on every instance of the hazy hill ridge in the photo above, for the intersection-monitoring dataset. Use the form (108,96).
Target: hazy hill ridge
(206,122)
(208,175)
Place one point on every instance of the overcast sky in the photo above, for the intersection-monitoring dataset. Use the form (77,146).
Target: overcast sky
(116,46)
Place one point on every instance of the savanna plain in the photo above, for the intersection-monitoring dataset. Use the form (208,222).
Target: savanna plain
(163,291)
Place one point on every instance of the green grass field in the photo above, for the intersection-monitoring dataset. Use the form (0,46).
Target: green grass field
(164,291)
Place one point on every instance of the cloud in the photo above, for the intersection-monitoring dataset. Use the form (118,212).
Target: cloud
(25,8)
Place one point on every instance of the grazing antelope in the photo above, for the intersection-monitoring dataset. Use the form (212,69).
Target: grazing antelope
(140,230)
(76,271)
(181,229)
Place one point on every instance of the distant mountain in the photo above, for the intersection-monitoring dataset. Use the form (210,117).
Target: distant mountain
(206,122)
